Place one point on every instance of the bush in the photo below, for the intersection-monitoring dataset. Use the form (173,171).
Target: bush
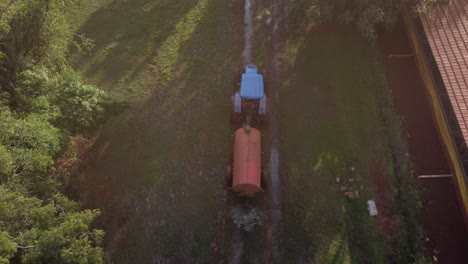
(64,99)
(21,135)
(7,247)
(52,232)
(42,102)
(80,104)
(35,92)
(6,163)
(365,15)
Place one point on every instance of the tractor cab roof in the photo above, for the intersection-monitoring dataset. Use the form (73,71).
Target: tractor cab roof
(252,83)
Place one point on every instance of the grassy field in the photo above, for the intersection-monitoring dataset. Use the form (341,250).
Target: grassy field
(158,172)
(332,129)
(158,168)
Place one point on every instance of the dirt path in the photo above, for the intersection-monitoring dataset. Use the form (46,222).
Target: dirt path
(442,216)
(245,246)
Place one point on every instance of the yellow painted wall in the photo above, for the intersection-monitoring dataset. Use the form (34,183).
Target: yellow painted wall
(438,113)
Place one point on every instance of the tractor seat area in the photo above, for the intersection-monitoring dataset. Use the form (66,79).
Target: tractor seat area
(252,83)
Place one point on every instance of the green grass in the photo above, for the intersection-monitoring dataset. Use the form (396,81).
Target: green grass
(130,37)
(159,168)
(330,104)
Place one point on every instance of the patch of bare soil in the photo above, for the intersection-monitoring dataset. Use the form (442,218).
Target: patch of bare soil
(74,158)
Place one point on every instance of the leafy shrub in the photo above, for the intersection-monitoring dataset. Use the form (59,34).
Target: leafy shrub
(365,15)
(21,135)
(35,92)
(64,99)
(5,163)
(42,102)
(49,233)
(28,147)
(80,104)
(7,247)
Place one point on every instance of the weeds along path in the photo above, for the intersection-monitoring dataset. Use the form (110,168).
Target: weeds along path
(442,215)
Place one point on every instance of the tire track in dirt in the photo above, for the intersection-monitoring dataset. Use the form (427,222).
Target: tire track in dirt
(248,30)
(274,231)
(236,240)
(239,240)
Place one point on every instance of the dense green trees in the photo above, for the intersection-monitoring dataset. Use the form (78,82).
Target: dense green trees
(43,103)
(47,231)
(7,247)
(37,223)
(31,32)
(365,15)
(64,99)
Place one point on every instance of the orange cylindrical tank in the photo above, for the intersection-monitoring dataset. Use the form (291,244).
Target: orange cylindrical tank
(247,162)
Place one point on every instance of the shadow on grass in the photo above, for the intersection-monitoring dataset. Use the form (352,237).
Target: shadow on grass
(334,130)
(158,172)
(127,34)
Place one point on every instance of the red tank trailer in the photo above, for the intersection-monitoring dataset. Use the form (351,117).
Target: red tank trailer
(247,170)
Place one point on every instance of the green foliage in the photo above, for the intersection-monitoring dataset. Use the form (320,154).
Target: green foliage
(33,132)
(70,239)
(39,164)
(29,144)
(82,106)
(365,15)
(49,233)
(83,44)
(408,242)
(38,29)
(31,32)
(64,99)
(35,90)
(35,175)
(7,247)
(42,102)
(5,163)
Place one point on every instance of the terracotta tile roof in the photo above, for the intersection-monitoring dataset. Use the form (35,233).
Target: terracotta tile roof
(446,29)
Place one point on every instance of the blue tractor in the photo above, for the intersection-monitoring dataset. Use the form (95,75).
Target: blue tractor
(250,102)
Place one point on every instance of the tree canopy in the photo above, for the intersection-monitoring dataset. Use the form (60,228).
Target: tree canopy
(365,15)
(50,231)
(43,103)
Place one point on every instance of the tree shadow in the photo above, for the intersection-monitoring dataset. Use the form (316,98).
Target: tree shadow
(127,34)
(157,171)
(334,126)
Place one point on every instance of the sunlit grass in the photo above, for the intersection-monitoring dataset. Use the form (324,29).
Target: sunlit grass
(168,53)
(330,104)
(172,60)
(338,251)
(133,38)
